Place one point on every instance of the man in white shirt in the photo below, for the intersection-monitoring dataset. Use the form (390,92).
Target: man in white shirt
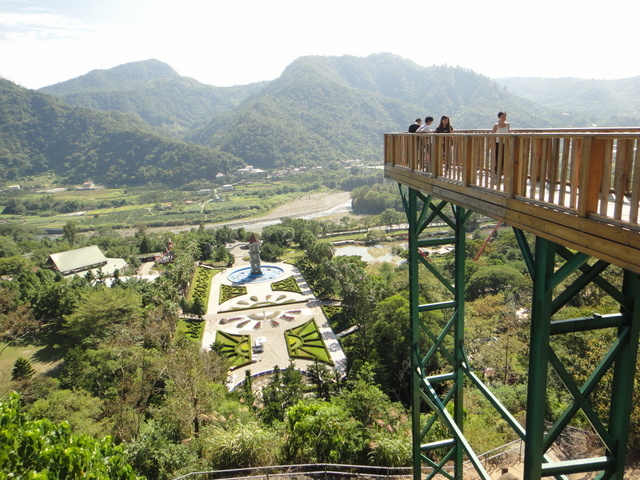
(426,127)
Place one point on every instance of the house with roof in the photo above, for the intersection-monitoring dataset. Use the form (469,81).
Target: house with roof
(84,259)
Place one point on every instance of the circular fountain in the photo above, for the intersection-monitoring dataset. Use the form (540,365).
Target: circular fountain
(243,275)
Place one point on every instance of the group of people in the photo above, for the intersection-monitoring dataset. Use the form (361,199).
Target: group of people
(418,127)
(501,126)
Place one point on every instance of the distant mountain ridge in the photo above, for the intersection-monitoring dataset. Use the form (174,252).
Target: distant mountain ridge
(123,77)
(604,102)
(153,92)
(320,109)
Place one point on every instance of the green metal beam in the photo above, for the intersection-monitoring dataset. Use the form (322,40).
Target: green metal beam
(538,358)
(624,373)
(411,208)
(555,283)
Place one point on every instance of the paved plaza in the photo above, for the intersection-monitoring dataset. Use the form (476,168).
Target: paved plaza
(267,324)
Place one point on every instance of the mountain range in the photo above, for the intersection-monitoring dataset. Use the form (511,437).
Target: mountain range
(142,122)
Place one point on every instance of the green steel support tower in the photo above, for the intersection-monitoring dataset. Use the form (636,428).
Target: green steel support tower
(557,274)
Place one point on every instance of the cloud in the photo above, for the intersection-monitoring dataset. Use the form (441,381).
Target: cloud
(226,43)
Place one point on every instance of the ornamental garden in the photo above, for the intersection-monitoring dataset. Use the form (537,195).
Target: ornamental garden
(259,326)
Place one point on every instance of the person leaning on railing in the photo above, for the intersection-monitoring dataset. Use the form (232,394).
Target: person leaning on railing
(415,125)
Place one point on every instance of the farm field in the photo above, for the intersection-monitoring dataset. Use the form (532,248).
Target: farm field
(125,209)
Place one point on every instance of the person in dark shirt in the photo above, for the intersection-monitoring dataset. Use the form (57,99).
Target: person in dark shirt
(415,125)
(445,125)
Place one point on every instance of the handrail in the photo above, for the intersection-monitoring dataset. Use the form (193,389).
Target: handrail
(341,470)
(587,173)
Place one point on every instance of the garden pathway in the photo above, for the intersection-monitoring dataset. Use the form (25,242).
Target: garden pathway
(257,322)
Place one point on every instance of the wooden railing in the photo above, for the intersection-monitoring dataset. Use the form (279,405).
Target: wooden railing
(590,176)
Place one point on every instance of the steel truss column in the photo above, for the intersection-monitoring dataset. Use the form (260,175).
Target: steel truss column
(421,212)
(551,277)
(554,284)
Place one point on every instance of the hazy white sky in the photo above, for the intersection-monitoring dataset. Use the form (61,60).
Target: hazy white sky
(232,42)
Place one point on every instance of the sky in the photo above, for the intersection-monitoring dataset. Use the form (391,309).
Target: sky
(231,42)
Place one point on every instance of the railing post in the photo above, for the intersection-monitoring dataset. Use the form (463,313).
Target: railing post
(511,165)
(590,176)
(467,160)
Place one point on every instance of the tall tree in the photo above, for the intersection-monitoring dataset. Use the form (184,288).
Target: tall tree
(102,313)
(70,232)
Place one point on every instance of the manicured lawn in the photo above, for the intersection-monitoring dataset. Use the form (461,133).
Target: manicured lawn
(289,284)
(227,292)
(191,328)
(202,284)
(43,358)
(237,348)
(305,341)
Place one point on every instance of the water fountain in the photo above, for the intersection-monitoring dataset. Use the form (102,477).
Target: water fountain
(244,275)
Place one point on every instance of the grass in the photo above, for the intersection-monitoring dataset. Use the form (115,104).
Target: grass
(44,357)
(191,328)
(305,341)
(237,348)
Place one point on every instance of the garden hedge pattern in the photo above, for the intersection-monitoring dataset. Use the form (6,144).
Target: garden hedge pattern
(305,341)
(288,284)
(237,348)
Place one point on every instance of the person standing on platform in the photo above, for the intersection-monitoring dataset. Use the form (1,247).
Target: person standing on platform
(445,125)
(501,126)
(415,125)
(426,128)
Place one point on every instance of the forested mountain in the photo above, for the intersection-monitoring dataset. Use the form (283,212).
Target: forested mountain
(602,102)
(319,110)
(154,92)
(41,133)
(337,107)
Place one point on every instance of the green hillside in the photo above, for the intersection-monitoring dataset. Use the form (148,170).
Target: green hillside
(42,134)
(153,92)
(326,108)
(320,109)
(602,102)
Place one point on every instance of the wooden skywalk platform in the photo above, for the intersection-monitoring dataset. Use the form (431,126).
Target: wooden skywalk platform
(576,187)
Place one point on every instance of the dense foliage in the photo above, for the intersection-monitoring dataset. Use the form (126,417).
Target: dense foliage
(320,110)
(43,449)
(124,370)
(41,134)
